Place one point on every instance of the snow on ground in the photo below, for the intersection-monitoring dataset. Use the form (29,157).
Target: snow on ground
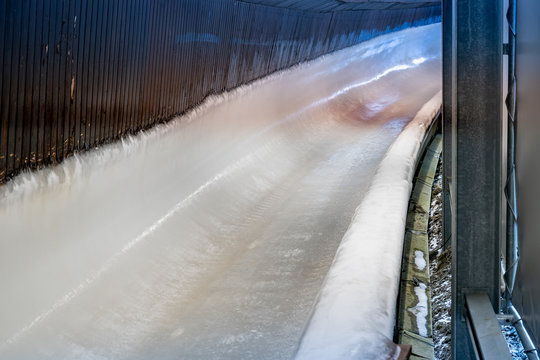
(440,273)
(514,343)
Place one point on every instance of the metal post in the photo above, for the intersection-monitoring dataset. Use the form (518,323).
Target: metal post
(448,42)
(512,254)
(476,160)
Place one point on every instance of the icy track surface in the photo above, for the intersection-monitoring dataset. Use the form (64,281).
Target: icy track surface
(209,237)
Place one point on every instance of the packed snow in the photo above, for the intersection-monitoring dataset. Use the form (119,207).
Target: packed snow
(420,310)
(440,266)
(420,260)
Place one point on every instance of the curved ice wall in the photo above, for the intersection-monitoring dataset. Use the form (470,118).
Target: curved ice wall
(79,73)
(209,236)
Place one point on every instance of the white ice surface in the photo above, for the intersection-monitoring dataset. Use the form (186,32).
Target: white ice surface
(355,314)
(208,237)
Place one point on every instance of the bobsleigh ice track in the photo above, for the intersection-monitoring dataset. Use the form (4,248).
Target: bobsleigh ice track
(211,236)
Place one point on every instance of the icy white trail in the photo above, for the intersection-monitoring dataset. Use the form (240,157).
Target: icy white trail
(208,237)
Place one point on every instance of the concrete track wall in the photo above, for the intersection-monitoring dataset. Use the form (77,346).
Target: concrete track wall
(79,73)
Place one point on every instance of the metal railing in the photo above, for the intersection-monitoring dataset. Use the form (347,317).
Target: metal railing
(512,244)
(512,234)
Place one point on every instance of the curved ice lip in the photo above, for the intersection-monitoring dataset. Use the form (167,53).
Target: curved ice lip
(360,291)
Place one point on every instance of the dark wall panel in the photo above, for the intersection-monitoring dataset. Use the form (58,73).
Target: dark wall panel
(79,73)
(527,291)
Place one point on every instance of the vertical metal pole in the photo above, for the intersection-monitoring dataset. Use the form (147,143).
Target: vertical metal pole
(476,160)
(448,41)
(512,254)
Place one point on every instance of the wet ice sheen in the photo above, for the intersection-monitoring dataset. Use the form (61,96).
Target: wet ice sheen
(208,237)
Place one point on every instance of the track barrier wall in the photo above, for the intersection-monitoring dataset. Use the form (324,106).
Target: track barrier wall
(80,73)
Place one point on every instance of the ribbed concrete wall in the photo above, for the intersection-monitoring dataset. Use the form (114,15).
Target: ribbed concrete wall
(79,73)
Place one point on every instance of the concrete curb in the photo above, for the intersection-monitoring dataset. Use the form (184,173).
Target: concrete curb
(414,308)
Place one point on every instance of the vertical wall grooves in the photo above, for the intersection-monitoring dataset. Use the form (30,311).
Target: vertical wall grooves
(79,73)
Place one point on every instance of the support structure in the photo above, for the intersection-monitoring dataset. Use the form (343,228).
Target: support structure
(473,85)
(448,65)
